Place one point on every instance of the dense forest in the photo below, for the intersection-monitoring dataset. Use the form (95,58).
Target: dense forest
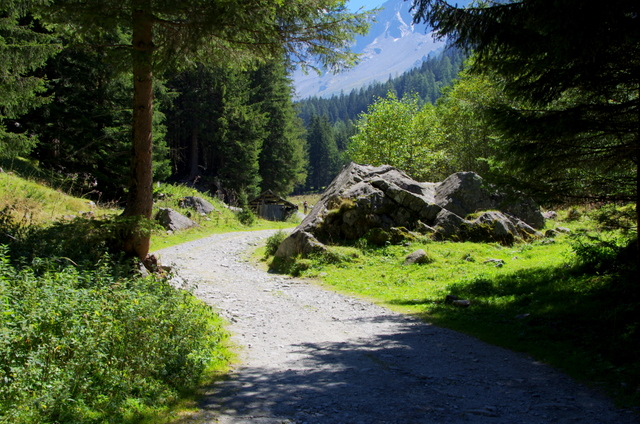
(330,122)
(219,128)
(224,129)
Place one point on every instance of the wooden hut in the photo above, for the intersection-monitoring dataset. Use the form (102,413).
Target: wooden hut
(272,207)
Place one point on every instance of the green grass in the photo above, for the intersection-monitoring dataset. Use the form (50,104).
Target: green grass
(222,220)
(29,200)
(571,303)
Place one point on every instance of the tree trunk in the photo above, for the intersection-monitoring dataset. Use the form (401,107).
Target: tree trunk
(193,155)
(140,197)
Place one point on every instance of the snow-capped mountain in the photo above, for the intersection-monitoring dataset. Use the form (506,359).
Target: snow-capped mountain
(394,45)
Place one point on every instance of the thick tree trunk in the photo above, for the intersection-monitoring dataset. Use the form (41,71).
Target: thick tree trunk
(140,198)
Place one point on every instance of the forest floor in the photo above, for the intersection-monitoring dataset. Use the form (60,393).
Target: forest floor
(310,355)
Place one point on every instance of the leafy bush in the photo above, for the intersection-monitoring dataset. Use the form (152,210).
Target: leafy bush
(81,241)
(274,242)
(85,347)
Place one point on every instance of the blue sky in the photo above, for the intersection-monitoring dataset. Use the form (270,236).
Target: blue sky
(367,4)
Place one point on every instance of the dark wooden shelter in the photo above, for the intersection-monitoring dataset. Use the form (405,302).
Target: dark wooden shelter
(272,207)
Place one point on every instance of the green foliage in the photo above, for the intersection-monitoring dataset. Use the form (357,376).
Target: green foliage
(282,160)
(324,157)
(467,139)
(247,217)
(604,252)
(274,242)
(566,120)
(225,141)
(612,216)
(401,133)
(24,47)
(80,241)
(86,347)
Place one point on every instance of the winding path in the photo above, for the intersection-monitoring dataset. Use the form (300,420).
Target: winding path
(310,355)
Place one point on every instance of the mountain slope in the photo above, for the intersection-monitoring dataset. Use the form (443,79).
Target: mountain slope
(393,46)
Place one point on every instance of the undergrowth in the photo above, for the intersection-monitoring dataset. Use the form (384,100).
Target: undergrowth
(84,338)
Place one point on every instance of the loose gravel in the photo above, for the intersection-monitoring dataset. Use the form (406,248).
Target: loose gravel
(310,355)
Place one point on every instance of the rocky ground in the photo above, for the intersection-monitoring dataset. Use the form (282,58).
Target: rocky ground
(309,355)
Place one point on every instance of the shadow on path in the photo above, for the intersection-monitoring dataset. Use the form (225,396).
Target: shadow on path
(410,372)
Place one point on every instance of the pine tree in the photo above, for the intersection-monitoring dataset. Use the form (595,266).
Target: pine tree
(324,158)
(160,33)
(282,158)
(215,130)
(569,69)
(24,47)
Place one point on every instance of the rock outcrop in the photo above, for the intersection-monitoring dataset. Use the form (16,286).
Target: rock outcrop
(366,201)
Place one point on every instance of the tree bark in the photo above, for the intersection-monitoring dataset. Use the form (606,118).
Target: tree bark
(140,197)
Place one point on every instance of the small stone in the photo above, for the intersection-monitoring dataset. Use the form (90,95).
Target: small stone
(461,303)
(417,257)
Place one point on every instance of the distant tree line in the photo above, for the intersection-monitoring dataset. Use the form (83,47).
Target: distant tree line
(330,122)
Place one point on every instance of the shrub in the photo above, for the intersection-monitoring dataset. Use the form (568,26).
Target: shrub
(274,242)
(246,217)
(85,347)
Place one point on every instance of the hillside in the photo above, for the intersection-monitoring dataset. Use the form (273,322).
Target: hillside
(393,46)
(426,81)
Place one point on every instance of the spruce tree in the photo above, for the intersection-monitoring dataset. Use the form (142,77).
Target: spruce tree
(570,125)
(282,157)
(160,33)
(324,157)
(215,130)
(25,46)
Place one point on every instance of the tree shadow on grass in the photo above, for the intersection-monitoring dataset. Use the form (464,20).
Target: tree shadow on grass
(586,323)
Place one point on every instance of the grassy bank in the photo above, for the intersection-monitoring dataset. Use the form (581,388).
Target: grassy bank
(572,303)
(83,338)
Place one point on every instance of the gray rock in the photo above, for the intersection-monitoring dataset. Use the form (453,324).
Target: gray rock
(447,224)
(464,193)
(173,221)
(299,243)
(367,201)
(417,257)
(198,204)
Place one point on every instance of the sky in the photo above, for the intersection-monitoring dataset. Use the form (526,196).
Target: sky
(367,4)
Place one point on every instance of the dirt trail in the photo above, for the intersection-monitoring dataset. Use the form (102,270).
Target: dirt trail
(309,355)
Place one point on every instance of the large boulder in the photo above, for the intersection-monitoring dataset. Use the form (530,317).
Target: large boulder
(465,193)
(369,202)
(173,221)
(299,243)
(198,204)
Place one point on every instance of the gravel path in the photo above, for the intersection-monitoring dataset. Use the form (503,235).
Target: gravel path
(309,355)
